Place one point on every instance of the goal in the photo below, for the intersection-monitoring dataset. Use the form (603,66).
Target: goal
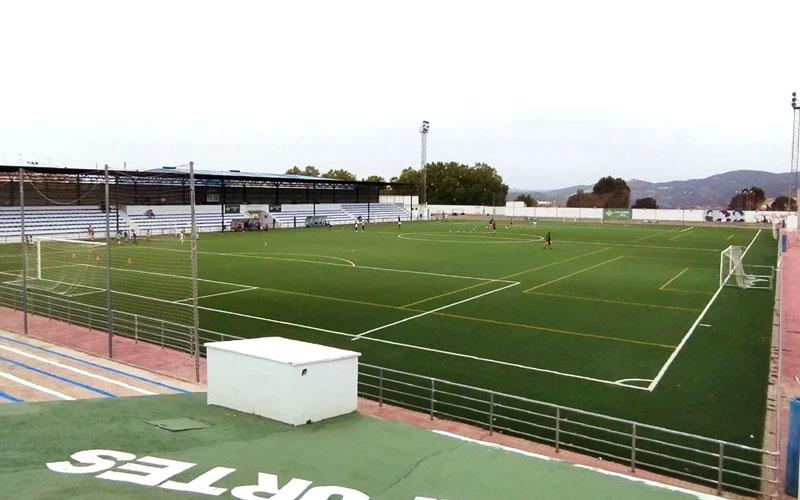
(65,267)
(734,272)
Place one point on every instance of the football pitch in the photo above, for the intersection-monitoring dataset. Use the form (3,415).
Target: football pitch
(624,320)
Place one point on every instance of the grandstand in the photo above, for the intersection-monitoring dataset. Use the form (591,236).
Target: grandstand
(62,221)
(377,212)
(171,220)
(292,216)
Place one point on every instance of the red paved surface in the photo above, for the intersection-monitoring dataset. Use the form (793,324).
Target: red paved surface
(138,354)
(790,325)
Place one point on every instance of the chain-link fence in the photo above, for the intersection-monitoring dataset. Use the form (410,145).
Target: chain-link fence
(114,251)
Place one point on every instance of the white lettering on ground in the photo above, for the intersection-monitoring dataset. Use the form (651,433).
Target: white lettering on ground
(155,471)
(150,471)
(203,483)
(95,459)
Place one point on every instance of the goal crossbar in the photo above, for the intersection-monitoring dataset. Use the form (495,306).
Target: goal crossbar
(735,273)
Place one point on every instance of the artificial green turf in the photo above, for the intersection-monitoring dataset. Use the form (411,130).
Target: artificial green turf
(608,302)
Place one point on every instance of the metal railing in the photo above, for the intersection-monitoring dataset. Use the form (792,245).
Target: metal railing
(718,464)
(722,465)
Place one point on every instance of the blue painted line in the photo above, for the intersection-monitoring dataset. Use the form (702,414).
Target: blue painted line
(9,397)
(58,377)
(96,365)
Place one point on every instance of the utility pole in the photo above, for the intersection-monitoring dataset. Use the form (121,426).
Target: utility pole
(795,148)
(423,130)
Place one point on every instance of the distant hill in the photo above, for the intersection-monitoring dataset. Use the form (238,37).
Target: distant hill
(714,191)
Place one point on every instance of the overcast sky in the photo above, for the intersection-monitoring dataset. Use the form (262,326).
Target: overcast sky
(551,93)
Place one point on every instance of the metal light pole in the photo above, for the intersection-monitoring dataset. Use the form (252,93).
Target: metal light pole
(795,148)
(423,130)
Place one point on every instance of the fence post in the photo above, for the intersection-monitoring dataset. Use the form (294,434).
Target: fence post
(719,472)
(136,328)
(633,448)
(380,386)
(491,413)
(162,333)
(558,429)
(24,246)
(109,304)
(433,395)
(69,313)
(49,307)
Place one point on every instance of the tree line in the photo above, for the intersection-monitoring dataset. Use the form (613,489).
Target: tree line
(447,182)
(453,183)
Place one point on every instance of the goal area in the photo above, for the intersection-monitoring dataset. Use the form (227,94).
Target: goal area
(733,272)
(64,267)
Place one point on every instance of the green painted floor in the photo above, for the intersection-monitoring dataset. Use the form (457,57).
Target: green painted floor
(360,456)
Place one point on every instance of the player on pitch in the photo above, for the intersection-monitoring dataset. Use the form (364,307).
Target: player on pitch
(548,242)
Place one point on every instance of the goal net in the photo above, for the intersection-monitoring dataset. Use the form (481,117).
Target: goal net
(734,273)
(64,267)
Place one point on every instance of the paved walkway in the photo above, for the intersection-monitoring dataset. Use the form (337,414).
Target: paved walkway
(32,370)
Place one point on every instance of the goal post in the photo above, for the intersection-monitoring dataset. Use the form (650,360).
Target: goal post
(63,267)
(733,272)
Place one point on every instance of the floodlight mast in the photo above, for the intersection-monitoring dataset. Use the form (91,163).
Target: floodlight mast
(423,130)
(795,149)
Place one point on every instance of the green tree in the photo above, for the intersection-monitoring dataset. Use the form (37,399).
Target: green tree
(585,200)
(375,178)
(614,192)
(781,204)
(648,202)
(411,177)
(309,170)
(340,174)
(455,183)
(529,200)
(747,199)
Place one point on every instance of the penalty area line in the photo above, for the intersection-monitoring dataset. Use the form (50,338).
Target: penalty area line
(362,334)
(692,328)
(432,350)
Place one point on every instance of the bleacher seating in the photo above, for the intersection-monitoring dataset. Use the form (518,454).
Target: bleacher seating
(335,216)
(377,212)
(170,223)
(56,221)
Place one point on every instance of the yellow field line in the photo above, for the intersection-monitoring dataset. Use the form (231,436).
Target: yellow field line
(337,299)
(445,294)
(554,330)
(609,261)
(682,290)
(514,275)
(673,279)
(612,301)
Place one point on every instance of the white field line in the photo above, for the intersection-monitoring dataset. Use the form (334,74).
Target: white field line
(673,279)
(682,233)
(37,387)
(575,273)
(154,273)
(659,233)
(405,236)
(221,293)
(77,370)
(388,269)
(731,236)
(362,334)
(349,262)
(694,326)
(430,349)
(629,245)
